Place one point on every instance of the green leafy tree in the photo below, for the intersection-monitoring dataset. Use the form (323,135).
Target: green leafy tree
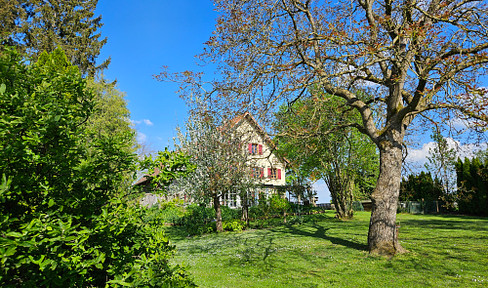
(279,205)
(166,167)
(441,161)
(345,159)
(34,26)
(65,220)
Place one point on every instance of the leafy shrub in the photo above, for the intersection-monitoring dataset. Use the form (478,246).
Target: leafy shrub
(210,227)
(278,205)
(229,213)
(256,212)
(196,219)
(234,225)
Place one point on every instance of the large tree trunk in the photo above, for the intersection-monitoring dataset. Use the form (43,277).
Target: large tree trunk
(382,236)
(218,213)
(341,197)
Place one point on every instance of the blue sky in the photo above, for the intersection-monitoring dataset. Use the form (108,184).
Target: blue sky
(142,37)
(145,35)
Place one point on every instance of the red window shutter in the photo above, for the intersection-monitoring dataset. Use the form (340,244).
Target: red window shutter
(269,172)
(250,148)
(279,173)
(262,172)
(260,149)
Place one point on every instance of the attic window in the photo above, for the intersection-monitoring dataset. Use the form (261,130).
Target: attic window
(255,149)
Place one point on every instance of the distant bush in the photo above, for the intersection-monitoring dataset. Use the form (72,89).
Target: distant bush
(197,218)
(234,225)
(230,213)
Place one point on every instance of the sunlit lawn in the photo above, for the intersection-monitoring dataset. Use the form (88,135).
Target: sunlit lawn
(445,251)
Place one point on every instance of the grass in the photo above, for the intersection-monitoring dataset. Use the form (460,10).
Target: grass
(445,251)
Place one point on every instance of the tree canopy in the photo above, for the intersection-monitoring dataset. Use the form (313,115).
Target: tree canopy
(65,216)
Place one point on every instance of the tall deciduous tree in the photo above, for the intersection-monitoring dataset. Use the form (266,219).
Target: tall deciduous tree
(344,159)
(406,57)
(218,153)
(441,162)
(34,26)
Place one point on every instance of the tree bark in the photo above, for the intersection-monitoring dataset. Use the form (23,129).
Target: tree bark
(382,238)
(245,207)
(218,214)
(341,197)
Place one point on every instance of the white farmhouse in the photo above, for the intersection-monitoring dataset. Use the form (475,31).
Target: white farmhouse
(267,168)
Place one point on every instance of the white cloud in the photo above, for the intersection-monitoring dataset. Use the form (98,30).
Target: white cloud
(145,121)
(419,156)
(148,122)
(141,137)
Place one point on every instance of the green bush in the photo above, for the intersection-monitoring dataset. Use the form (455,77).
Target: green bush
(229,213)
(256,212)
(210,227)
(234,225)
(199,219)
(278,205)
(196,219)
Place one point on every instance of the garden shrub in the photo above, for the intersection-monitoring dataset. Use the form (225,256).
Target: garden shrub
(196,219)
(256,212)
(230,213)
(234,225)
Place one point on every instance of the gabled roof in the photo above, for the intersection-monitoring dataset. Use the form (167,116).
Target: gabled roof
(235,122)
(143,180)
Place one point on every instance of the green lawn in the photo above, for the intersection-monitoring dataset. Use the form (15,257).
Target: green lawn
(445,251)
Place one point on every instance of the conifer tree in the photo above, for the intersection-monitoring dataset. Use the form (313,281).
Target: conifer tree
(34,26)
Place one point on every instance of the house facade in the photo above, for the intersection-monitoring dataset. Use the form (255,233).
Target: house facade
(266,168)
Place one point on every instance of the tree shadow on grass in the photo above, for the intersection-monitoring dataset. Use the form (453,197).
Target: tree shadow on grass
(256,251)
(321,232)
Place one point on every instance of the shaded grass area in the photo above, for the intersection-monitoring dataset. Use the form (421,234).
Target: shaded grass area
(445,251)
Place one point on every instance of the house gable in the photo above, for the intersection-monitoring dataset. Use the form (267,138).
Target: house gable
(260,149)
